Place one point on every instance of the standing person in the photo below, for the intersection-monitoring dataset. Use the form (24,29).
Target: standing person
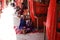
(7,31)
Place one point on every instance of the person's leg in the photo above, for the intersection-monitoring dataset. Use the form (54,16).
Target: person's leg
(24,30)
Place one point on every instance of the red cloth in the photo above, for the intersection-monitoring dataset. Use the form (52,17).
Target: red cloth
(51,20)
(31,9)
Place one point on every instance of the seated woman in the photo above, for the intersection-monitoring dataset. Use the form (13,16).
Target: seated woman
(22,25)
(29,26)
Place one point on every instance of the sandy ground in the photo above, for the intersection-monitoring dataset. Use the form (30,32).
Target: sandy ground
(31,36)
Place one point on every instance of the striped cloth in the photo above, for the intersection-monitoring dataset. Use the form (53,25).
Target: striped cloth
(17,30)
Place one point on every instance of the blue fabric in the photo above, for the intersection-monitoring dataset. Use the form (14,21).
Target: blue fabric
(22,23)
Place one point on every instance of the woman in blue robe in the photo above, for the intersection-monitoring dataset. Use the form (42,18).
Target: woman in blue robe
(22,25)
